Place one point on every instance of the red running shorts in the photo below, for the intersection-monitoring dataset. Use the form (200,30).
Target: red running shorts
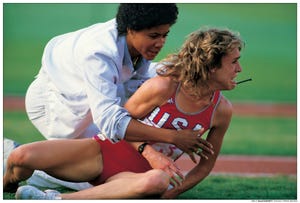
(119,157)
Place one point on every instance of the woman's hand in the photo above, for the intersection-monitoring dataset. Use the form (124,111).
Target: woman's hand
(158,160)
(190,142)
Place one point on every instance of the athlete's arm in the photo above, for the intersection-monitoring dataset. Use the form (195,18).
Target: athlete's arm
(158,160)
(151,94)
(215,136)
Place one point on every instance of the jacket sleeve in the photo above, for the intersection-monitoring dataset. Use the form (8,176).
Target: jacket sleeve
(101,78)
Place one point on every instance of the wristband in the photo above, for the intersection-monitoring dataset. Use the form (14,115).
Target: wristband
(142,147)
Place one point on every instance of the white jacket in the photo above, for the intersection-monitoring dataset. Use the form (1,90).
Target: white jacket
(91,74)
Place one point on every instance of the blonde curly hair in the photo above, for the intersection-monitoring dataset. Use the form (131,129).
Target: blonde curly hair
(201,52)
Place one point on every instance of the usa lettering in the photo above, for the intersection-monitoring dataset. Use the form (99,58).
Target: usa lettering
(178,123)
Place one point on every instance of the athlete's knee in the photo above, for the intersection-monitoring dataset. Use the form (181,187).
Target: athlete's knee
(156,182)
(20,156)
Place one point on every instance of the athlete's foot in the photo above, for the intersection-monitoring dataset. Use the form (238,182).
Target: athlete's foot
(30,192)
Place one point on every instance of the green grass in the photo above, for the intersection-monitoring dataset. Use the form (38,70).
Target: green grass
(269,30)
(224,187)
(17,126)
(261,136)
(244,188)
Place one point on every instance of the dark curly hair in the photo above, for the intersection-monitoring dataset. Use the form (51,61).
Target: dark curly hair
(145,15)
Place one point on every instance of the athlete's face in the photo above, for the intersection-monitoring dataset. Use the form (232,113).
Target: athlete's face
(147,42)
(224,77)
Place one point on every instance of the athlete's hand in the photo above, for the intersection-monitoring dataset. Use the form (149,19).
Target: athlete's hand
(190,142)
(158,160)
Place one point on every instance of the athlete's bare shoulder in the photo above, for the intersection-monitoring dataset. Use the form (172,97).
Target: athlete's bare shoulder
(151,94)
(223,112)
(225,105)
(161,85)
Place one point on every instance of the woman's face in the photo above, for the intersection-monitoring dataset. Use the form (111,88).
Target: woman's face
(224,77)
(147,42)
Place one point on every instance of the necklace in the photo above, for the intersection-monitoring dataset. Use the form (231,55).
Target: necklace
(135,61)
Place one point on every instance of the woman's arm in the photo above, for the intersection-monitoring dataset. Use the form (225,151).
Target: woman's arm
(158,160)
(215,136)
(151,94)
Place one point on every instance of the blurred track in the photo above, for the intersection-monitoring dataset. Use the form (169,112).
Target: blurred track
(247,165)
(13,103)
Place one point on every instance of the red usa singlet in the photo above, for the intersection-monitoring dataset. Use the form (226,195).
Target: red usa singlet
(170,116)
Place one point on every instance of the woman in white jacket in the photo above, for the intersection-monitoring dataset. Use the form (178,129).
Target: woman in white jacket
(87,75)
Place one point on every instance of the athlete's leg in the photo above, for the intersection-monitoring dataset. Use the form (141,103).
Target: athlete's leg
(126,185)
(72,160)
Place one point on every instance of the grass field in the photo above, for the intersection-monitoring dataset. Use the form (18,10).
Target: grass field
(220,187)
(270,58)
(269,30)
(244,188)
